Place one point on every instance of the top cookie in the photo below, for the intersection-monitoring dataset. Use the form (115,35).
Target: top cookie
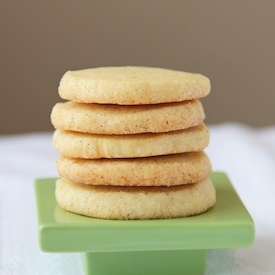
(132,85)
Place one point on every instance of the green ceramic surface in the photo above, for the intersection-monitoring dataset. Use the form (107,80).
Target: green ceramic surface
(228,224)
(161,262)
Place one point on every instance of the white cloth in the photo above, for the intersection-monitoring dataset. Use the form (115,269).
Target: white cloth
(246,154)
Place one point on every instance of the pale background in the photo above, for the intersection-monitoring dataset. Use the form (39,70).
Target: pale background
(232,42)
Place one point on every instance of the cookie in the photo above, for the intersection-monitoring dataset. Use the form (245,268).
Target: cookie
(119,120)
(132,85)
(116,202)
(90,146)
(168,170)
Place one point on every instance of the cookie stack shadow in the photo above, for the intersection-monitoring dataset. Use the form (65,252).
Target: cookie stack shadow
(131,143)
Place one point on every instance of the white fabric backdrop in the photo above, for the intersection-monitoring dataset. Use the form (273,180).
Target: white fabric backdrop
(246,154)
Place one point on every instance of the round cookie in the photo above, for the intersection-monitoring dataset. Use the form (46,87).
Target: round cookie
(132,85)
(90,146)
(119,120)
(168,170)
(116,202)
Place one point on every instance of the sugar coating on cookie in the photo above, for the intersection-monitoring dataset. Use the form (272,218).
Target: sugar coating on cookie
(90,146)
(119,120)
(116,202)
(167,170)
(132,85)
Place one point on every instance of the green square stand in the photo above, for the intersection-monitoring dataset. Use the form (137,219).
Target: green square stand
(165,246)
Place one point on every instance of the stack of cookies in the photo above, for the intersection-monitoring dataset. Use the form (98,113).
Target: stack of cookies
(132,143)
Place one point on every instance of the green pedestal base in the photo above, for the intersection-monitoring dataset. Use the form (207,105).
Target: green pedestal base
(165,246)
(189,262)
